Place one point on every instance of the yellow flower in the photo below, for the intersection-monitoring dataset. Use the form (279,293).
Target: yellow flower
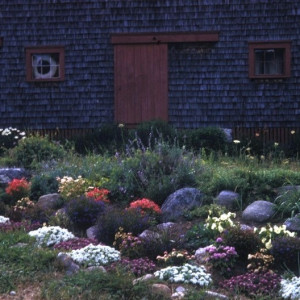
(269,244)
(220,228)
(236,141)
(277,229)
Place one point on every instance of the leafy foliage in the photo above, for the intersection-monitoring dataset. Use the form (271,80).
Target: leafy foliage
(33,150)
(244,241)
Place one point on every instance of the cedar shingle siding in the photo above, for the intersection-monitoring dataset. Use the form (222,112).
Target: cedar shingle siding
(208,82)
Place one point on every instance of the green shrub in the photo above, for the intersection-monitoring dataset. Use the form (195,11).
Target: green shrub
(43,185)
(288,204)
(30,152)
(286,252)
(157,242)
(152,174)
(96,285)
(20,264)
(108,138)
(199,236)
(150,132)
(9,138)
(113,218)
(244,241)
(202,212)
(209,138)
(83,212)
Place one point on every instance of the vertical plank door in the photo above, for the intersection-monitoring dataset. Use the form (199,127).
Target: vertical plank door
(141,82)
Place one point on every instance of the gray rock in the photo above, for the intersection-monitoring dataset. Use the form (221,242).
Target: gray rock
(67,263)
(180,201)
(215,296)
(48,202)
(165,226)
(180,289)
(149,234)
(201,255)
(8,174)
(259,212)
(94,268)
(288,188)
(293,224)
(143,278)
(160,289)
(91,232)
(228,199)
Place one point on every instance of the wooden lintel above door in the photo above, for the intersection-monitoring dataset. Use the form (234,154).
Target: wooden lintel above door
(164,38)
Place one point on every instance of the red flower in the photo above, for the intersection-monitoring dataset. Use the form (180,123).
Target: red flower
(18,186)
(146,206)
(98,194)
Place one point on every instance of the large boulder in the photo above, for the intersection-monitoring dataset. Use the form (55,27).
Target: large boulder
(49,202)
(8,174)
(228,199)
(180,201)
(258,212)
(293,224)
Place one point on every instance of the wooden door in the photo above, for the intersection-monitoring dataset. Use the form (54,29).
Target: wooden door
(141,82)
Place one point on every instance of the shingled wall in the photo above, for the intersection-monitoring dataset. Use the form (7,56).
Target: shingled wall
(208,84)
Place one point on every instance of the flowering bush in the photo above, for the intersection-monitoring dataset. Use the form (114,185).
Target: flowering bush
(95,255)
(128,244)
(24,225)
(260,261)
(290,288)
(71,188)
(174,258)
(9,137)
(186,274)
(221,257)
(268,233)
(83,212)
(146,206)
(286,251)
(244,241)
(138,267)
(52,235)
(220,224)
(253,283)
(4,220)
(22,209)
(98,195)
(75,243)
(18,188)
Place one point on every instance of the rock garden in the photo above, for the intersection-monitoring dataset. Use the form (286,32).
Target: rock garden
(149,213)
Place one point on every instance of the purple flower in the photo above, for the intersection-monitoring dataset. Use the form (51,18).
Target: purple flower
(219,240)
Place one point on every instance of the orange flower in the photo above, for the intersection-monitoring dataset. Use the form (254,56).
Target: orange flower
(99,194)
(17,186)
(145,205)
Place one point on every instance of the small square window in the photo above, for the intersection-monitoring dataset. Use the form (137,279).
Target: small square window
(269,59)
(45,63)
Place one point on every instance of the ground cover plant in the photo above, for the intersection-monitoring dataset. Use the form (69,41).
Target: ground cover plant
(121,193)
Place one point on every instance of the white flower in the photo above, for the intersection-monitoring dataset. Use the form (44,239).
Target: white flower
(95,255)
(4,220)
(52,235)
(290,288)
(186,274)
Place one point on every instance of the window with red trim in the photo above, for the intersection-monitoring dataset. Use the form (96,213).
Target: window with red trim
(45,63)
(270,59)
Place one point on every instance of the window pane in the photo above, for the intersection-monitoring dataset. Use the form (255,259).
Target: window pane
(45,66)
(269,61)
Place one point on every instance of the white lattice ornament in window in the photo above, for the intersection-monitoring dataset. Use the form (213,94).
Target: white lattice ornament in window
(45,66)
